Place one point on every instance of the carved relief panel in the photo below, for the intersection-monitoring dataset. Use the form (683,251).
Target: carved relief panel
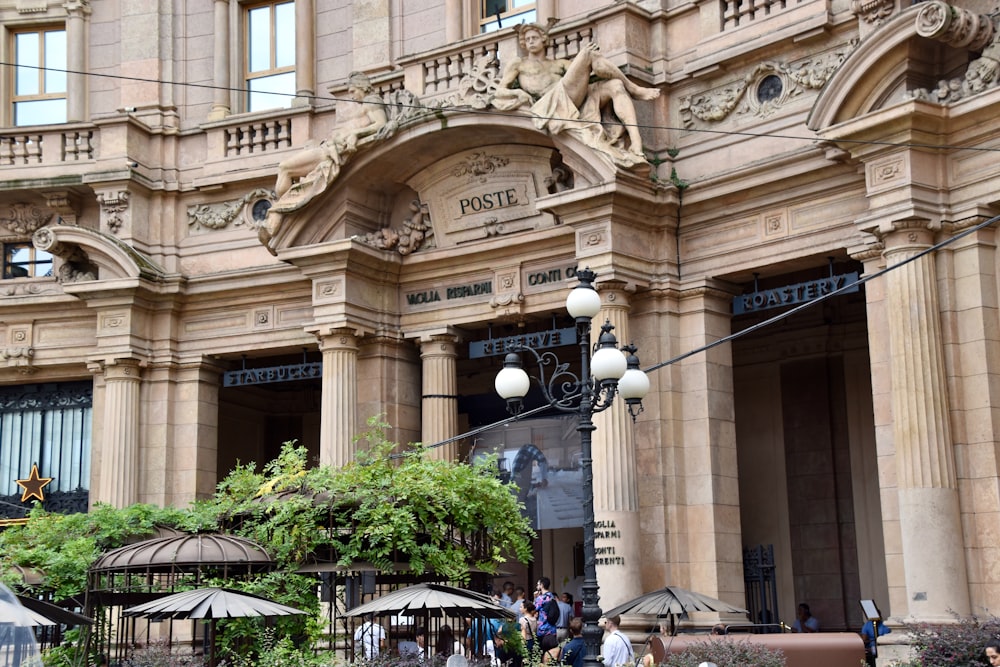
(486,192)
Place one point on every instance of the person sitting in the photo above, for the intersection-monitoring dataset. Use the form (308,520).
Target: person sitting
(804,620)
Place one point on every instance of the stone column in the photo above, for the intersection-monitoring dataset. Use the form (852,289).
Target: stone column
(709,496)
(454,21)
(220,62)
(616,498)
(76,58)
(194,453)
(339,419)
(439,395)
(119,472)
(546,9)
(937,585)
(305,52)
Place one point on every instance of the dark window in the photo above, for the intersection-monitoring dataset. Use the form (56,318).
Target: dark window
(769,88)
(23,260)
(496,14)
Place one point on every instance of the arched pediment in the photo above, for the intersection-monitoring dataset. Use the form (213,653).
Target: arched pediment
(89,255)
(928,43)
(462,169)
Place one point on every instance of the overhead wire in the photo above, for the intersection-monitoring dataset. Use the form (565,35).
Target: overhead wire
(721,341)
(498,113)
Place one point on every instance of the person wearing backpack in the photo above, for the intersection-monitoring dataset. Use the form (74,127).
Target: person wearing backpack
(548,615)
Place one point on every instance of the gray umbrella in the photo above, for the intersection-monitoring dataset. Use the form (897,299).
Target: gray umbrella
(210,603)
(673,601)
(434,599)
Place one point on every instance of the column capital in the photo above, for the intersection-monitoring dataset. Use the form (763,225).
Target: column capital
(338,339)
(116,368)
(441,334)
(883,228)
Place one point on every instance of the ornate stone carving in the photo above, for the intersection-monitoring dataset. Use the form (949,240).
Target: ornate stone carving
(238,212)
(962,29)
(954,26)
(24,219)
(113,206)
(371,118)
(476,89)
(575,96)
(19,358)
(76,265)
(790,81)
(413,234)
(561,178)
(479,166)
(13,289)
(873,11)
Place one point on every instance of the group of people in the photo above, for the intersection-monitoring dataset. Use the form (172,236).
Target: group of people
(545,622)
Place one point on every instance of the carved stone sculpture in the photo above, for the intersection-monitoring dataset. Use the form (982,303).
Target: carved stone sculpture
(412,235)
(571,96)
(310,172)
(962,29)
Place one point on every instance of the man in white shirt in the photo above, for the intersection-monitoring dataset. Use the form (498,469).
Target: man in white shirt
(617,647)
(370,636)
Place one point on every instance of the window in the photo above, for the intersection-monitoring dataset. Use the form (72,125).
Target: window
(47,425)
(40,76)
(23,260)
(496,14)
(270,55)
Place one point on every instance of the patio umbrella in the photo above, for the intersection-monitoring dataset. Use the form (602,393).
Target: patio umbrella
(434,599)
(210,603)
(54,614)
(22,617)
(673,601)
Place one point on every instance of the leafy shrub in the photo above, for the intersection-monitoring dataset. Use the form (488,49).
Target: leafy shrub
(726,653)
(958,644)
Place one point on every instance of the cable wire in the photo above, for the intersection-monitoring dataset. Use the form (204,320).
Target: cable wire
(497,113)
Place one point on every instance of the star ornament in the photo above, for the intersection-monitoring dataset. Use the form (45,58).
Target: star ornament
(33,485)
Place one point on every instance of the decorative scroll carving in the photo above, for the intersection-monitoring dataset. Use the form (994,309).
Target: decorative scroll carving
(962,29)
(76,265)
(113,206)
(873,11)
(10,288)
(14,399)
(414,232)
(954,26)
(236,212)
(476,89)
(789,81)
(24,219)
(479,166)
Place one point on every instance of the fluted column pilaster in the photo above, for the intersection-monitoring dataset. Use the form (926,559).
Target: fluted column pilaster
(118,482)
(439,396)
(930,522)
(338,418)
(616,499)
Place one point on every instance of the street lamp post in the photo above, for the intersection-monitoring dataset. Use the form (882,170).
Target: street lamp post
(604,372)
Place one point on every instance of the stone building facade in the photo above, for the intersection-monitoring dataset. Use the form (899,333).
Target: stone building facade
(148,285)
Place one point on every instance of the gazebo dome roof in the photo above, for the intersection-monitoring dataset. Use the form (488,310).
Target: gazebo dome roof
(186,552)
